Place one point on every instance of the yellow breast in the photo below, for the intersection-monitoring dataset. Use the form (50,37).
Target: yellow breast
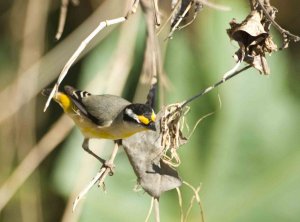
(113,132)
(104,133)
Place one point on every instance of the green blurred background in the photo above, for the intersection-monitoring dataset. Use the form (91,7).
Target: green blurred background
(246,155)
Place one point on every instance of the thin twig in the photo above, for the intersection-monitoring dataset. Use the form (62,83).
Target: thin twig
(156,209)
(62,18)
(168,19)
(99,177)
(180,204)
(179,20)
(196,11)
(150,210)
(189,208)
(197,123)
(282,31)
(87,188)
(233,70)
(208,89)
(197,197)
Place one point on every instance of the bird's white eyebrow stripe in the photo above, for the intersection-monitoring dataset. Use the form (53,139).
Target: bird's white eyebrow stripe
(130,113)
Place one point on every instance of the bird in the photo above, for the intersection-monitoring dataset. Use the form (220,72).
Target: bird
(103,116)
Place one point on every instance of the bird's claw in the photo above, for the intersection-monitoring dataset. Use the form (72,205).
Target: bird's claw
(109,165)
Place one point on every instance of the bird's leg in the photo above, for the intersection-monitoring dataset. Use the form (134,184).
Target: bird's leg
(85,146)
(110,163)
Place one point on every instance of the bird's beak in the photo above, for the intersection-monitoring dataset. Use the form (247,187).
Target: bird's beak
(151,126)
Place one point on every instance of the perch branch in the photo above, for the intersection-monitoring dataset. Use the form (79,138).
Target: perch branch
(208,89)
(105,170)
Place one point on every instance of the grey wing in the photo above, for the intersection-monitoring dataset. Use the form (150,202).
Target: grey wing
(103,109)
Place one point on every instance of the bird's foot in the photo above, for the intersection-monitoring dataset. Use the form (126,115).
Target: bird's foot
(109,165)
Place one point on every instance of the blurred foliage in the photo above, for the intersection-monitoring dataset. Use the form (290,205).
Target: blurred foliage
(246,155)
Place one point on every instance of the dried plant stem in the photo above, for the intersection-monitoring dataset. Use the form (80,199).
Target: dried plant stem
(37,154)
(179,20)
(197,123)
(195,197)
(210,88)
(150,210)
(99,177)
(62,18)
(233,70)
(169,18)
(156,209)
(283,32)
(180,204)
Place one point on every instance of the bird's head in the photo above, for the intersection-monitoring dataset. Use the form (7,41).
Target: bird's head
(141,114)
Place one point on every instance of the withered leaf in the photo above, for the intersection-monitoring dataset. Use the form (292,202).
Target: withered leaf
(254,41)
(249,32)
(144,151)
